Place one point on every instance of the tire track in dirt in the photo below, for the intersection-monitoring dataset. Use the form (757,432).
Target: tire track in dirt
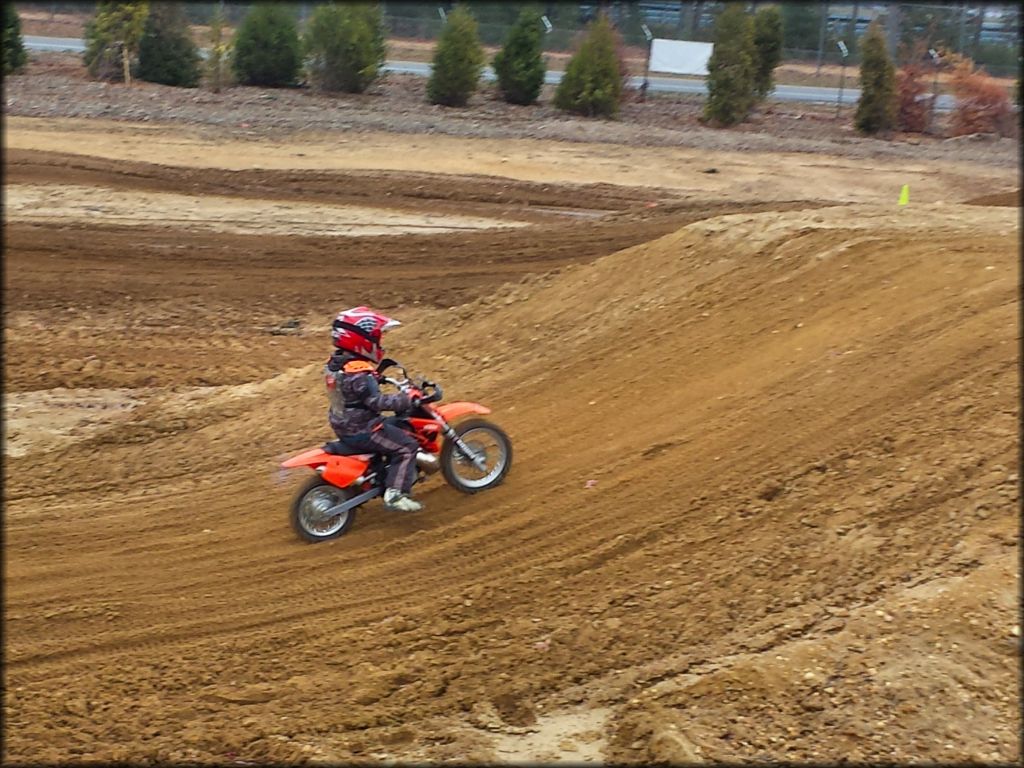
(401,191)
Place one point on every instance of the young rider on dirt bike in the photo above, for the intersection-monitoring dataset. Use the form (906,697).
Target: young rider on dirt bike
(356,401)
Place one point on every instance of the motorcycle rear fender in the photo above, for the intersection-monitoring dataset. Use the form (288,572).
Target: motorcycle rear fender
(337,470)
(342,470)
(452,411)
(308,458)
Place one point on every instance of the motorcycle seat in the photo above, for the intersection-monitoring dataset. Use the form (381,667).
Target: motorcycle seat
(339,448)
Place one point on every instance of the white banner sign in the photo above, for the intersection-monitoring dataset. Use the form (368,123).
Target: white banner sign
(680,57)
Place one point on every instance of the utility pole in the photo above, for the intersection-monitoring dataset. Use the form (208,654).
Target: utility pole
(963,26)
(698,11)
(842,77)
(821,36)
(935,88)
(647,66)
(892,29)
(978,27)
(851,31)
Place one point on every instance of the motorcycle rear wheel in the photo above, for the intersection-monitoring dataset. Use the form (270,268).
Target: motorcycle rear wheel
(313,498)
(480,435)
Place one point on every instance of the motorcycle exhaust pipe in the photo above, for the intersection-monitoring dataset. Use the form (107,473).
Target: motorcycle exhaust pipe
(428,462)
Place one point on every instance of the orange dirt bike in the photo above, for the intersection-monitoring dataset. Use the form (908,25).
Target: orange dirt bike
(473,455)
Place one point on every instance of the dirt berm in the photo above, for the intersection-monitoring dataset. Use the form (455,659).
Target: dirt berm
(763,507)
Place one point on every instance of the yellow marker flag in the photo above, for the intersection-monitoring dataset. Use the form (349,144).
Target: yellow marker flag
(905,194)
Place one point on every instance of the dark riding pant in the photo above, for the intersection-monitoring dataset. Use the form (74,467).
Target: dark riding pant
(400,448)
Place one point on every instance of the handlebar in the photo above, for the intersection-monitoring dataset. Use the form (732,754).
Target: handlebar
(404,385)
(436,393)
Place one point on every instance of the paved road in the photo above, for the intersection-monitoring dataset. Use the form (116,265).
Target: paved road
(656,84)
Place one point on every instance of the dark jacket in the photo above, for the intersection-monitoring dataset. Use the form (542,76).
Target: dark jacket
(356,401)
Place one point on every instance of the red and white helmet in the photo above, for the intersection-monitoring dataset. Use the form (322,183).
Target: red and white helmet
(359,330)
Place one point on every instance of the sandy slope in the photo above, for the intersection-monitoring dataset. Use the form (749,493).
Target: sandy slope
(764,500)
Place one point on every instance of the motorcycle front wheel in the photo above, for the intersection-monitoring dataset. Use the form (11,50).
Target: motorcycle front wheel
(486,440)
(311,502)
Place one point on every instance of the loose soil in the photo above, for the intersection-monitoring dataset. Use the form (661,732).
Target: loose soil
(49,203)
(764,500)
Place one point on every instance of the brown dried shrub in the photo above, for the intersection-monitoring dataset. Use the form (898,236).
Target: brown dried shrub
(982,105)
(912,103)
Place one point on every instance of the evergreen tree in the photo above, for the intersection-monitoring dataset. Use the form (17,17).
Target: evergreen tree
(876,109)
(345,46)
(519,65)
(731,68)
(112,38)
(458,61)
(14,48)
(768,37)
(219,49)
(267,47)
(167,53)
(593,82)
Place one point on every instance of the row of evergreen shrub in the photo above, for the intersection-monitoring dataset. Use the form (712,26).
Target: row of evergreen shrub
(344,49)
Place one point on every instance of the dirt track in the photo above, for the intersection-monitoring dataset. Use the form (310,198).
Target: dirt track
(764,500)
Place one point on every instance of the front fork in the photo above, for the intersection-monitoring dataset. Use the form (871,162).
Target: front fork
(480,462)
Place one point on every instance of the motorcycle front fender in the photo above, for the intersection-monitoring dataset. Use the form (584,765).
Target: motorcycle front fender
(452,411)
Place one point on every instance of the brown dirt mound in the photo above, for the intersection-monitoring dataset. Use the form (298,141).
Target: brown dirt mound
(763,501)
(139,295)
